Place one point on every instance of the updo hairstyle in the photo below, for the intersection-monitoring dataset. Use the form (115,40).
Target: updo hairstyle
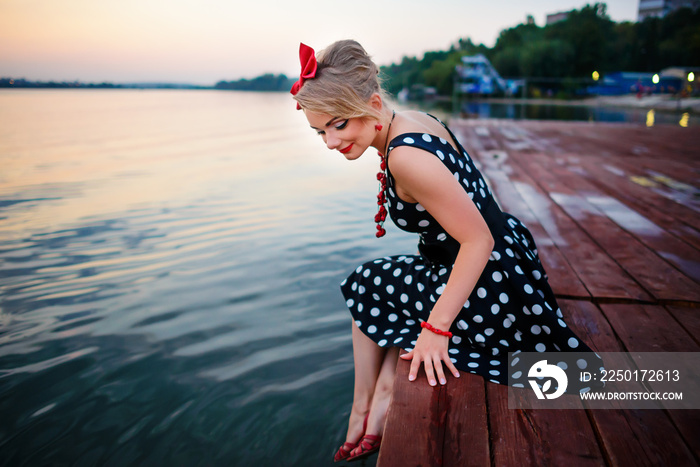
(345,80)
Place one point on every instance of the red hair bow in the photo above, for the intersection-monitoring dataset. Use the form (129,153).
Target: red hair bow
(307,57)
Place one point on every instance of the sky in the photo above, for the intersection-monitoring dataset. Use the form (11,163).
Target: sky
(204,41)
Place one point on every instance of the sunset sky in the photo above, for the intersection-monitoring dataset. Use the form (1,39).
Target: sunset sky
(204,41)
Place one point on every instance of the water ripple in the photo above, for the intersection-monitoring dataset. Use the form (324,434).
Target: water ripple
(169,291)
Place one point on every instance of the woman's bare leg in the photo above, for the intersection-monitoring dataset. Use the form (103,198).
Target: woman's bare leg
(369,358)
(382,393)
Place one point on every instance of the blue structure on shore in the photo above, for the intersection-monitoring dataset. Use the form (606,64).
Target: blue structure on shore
(477,76)
(621,82)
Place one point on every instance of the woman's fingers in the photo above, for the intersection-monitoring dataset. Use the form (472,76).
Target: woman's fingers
(413,371)
(451,367)
(437,363)
(433,358)
(428,365)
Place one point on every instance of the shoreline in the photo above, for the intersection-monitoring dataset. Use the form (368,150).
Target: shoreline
(657,102)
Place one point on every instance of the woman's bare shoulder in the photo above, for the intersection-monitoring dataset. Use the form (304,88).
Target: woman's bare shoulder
(413,121)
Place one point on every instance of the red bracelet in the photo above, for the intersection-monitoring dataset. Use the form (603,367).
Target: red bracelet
(429,327)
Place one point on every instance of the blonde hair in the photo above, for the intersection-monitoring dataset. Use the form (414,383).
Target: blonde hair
(345,80)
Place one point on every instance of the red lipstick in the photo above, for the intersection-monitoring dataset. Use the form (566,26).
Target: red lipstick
(347,149)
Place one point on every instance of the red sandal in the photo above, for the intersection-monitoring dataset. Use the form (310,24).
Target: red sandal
(345,450)
(367,445)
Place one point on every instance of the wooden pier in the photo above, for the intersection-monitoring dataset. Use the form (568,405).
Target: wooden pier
(614,211)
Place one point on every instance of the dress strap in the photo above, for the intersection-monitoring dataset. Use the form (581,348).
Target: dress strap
(418,140)
(454,138)
(425,140)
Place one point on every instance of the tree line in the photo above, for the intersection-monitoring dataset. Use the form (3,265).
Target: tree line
(586,41)
(266,82)
(25,83)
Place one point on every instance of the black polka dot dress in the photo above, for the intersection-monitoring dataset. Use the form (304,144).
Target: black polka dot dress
(511,308)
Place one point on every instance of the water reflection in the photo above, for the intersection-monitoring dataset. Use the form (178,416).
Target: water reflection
(576,112)
(169,270)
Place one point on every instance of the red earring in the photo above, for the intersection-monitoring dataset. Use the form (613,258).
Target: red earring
(378,127)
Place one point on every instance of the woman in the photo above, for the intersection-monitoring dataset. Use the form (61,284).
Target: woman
(476,291)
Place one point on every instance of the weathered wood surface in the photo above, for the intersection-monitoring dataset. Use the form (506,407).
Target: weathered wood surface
(647,437)
(442,425)
(628,227)
(614,211)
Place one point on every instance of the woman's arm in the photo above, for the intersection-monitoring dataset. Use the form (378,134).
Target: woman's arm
(422,177)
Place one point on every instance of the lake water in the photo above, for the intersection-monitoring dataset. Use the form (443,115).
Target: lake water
(587,113)
(169,271)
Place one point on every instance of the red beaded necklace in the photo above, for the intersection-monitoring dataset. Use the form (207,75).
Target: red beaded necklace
(381,176)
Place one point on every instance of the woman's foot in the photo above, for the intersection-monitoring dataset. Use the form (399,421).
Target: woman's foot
(373,428)
(367,445)
(357,425)
(344,451)
(355,432)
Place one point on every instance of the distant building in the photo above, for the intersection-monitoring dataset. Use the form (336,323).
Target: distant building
(660,8)
(556,17)
(478,77)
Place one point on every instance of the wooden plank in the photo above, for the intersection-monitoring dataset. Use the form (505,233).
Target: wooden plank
(635,188)
(539,437)
(466,440)
(650,328)
(635,183)
(630,141)
(657,276)
(467,136)
(446,425)
(589,323)
(680,254)
(665,149)
(627,436)
(599,273)
(612,180)
(689,319)
(417,413)
(635,152)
